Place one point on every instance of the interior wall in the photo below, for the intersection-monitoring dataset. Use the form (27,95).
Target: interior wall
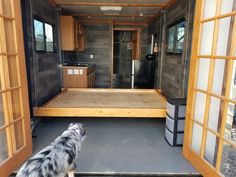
(122,60)
(43,71)
(98,42)
(175,67)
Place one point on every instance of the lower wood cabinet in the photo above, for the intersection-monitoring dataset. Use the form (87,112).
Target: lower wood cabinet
(78,77)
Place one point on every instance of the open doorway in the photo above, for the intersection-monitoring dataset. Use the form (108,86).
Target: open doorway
(122,60)
(126,47)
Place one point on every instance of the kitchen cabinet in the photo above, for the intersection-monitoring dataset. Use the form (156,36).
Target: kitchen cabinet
(78,76)
(72,34)
(80,38)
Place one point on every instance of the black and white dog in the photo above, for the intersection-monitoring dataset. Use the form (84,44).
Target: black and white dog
(57,159)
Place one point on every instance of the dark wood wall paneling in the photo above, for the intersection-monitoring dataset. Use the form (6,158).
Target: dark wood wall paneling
(43,67)
(175,66)
(98,41)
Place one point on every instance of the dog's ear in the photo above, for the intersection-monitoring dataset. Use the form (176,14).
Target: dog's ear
(71,124)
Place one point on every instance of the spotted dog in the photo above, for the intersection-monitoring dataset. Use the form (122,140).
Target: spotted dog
(57,159)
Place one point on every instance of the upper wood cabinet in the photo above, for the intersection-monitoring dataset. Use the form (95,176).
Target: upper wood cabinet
(72,34)
(79,39)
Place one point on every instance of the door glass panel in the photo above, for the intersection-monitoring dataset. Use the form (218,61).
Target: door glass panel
(228,161)
(15,97)
(230,127)
(210,8)
(2,117)
(218,77)
(211,148)
(0,81)
(13,73)
(223,38)
(214,114)
(227,6)
(6,7)
(3,143)
(203,73)
(10,43)
(196,137)
(18,134)
(207,38)
(200,106)
(233,83)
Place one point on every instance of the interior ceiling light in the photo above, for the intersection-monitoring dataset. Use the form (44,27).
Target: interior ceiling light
(111,9)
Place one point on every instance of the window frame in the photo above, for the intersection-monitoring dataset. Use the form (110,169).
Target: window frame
(44,35)
(175,24)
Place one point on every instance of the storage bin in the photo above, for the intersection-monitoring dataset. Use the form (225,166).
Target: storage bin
(176,108)
(175,118)
(174,125)
(174,139)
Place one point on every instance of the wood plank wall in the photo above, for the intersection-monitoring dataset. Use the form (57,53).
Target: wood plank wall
(98,41)
(43,71)
(175,66)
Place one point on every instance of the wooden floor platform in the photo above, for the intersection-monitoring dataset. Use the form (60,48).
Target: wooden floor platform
(105,103)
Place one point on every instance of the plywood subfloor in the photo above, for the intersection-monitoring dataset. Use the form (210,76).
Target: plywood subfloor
(105,103)
(109,99)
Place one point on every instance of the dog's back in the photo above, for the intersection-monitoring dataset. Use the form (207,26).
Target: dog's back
(57,159)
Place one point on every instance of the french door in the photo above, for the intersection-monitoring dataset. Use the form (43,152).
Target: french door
(15,133)
(210,132)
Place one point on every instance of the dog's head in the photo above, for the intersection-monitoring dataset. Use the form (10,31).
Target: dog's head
(79,128)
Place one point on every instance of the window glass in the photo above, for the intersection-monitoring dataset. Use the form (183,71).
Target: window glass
(49,37)
(43,34)
(171,39)
(39,35)
(180,37)
(175,38)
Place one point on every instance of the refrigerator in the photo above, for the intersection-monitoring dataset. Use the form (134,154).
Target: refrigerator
(143,74)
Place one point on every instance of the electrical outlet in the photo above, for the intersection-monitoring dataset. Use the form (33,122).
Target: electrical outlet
(91,56)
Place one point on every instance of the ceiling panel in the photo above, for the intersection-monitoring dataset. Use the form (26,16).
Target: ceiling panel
(119,1)
(72,9)
(126,19)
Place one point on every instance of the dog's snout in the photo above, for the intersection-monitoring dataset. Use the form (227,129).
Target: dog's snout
(83,132)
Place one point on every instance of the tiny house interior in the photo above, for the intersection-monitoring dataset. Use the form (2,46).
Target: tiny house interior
(153,81)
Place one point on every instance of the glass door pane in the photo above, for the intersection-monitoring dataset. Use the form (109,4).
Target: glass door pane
(207,38)
(214,114)
(197,137)
(203,73)
(2,117)
(230,127)
(228,162)
(4,149)
(218,78)
(211,148)
(223,36)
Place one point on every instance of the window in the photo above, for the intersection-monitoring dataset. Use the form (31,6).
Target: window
(175,37)
(43,35)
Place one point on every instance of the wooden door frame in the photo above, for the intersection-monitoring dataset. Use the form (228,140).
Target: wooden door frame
(139,33)
(16,158)
(197,161)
